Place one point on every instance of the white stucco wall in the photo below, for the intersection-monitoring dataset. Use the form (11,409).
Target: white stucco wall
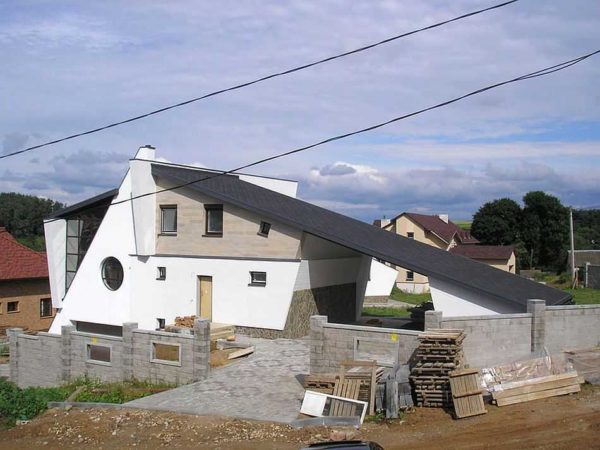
(455,301)
(381,280)
(144,208)
(317,273)
(286,187)
(56,243)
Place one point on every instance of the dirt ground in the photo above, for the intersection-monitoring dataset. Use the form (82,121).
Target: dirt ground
(568,422)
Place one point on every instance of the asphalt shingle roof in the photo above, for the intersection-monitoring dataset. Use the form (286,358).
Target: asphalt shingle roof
(19,262)
(365,238)
(483,251)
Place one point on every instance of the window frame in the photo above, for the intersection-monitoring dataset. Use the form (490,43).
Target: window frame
(261,229)
(254,282)
(410,275)
(164,208)
(42,300)
(88,354)
(207,210)
(410,234)
(104,278)
(10,303)
(161,273)
(167,362)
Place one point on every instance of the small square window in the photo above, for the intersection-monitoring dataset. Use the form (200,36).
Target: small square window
(166,353)
(161,273)
(410,275)
(98,353)
(264,229)
(214,220)
(410,235)
(258,278)
(168,219)
(12,307)
(45,307)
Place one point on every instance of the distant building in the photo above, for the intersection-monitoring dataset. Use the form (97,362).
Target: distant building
(24,287)
(440,232)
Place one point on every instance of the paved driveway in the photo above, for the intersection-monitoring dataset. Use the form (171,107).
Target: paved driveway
(263,386)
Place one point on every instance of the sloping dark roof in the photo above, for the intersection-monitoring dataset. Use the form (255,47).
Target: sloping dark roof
(444,230)
(365,238)
(102,199)
(18,262)
(483,251)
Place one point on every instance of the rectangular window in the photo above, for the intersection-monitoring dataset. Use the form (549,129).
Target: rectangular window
(410,235)
(161,273)
(98,353)
(258,278)
(410,275)
(168,219)
(264,229)
(166,353)
(45,307)
(12,307)
(214,220)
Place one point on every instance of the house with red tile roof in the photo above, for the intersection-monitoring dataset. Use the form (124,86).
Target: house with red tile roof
(24,286)
(440,232)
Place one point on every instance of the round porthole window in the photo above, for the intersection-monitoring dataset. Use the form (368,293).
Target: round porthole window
(112,273)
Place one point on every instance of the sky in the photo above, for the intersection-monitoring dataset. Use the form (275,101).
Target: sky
(70,66)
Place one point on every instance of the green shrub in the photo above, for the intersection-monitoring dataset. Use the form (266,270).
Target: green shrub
(25,404)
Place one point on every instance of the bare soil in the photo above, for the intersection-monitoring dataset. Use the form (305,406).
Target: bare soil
(568,422)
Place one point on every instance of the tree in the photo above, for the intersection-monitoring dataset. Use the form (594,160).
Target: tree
(586,224)
(23,216)
(545,230)
(497,222)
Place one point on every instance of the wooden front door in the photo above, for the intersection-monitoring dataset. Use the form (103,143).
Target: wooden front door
(204,302)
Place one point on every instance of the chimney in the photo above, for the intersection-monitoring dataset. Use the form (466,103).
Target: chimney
(146,152)
(443,217)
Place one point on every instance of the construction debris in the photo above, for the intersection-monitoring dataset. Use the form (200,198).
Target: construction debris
(240,353)
(587,363)
(524,370)
(398,392)
(466,393)
(318,404)
(439,353)
(536,388)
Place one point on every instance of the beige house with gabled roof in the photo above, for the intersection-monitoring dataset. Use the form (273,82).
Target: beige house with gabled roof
(440,232)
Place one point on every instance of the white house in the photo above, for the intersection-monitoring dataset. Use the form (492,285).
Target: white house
(241,250)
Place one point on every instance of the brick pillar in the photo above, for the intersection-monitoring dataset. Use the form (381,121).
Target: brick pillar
(317,337)
(13,348)
(537,309)
(433,320)
(128,328)
(65,351)
(201,349)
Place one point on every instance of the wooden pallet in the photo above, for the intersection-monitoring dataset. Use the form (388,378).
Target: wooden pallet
(466,393)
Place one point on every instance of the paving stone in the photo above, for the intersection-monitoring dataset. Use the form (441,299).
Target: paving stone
(264,386)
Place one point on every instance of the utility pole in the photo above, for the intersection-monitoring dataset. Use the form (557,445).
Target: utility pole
(573,274)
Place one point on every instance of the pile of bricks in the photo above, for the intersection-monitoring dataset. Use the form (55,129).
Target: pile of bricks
(439,353)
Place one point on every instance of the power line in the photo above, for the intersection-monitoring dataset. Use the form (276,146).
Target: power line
(538,73)
(256,81)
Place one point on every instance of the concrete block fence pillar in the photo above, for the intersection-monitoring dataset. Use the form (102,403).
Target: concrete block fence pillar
(433,320)
(317,336)
(13,348)
(65,351)
(201,349)
(537,309)
(128,346)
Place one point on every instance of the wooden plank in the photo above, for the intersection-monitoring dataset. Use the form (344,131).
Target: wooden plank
(538,387)
(539,380)
(240,353)
(537,395)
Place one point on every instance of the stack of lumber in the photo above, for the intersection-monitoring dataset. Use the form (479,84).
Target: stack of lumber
(466,393)
(535,388)
(586,362)
(439,353)
(221,331)
(323,383)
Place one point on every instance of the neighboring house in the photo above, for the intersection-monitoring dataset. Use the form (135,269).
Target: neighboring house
(24,287)
(241,250)
(440,232)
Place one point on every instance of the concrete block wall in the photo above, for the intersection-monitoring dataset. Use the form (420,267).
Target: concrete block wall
(572,327)
(331,343)
(49,359)
(492,340)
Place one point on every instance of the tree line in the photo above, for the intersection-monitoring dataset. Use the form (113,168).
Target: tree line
(539,231)
(23,216)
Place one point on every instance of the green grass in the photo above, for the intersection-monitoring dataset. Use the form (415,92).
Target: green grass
(383,311)
(583,296)
(120,392)
(413,299)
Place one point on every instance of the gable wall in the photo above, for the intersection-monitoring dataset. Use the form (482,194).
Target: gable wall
(240,230)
